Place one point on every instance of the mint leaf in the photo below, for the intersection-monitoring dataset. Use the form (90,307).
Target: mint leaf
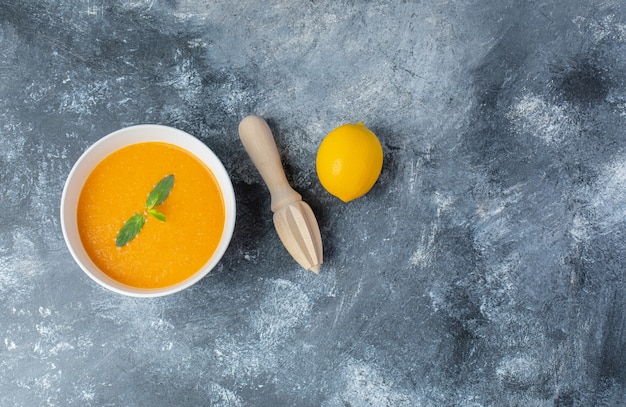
(156,197)
(160,192)
(156,214)
(130,229)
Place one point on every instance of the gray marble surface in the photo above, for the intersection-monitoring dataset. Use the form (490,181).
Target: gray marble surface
(485,268)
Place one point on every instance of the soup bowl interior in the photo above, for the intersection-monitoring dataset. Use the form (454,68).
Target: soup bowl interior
(102,149)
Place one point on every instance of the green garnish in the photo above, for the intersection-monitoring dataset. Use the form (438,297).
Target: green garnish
(156,214)
(157,196)
(160,192)
(130,229)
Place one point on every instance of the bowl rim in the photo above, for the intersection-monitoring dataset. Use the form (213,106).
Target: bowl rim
(106,145)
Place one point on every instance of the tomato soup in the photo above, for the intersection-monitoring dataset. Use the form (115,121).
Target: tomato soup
(163,253)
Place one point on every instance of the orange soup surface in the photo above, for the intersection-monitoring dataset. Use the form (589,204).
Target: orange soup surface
(163,253)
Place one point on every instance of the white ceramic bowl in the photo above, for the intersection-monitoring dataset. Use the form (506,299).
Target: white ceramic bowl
(107,145)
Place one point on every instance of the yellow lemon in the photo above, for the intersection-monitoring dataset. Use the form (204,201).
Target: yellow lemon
(349,161)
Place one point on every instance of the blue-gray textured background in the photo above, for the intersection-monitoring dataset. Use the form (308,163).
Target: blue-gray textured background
(485,268)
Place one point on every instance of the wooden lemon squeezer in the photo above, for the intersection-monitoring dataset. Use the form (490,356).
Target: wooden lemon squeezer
(294,220)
